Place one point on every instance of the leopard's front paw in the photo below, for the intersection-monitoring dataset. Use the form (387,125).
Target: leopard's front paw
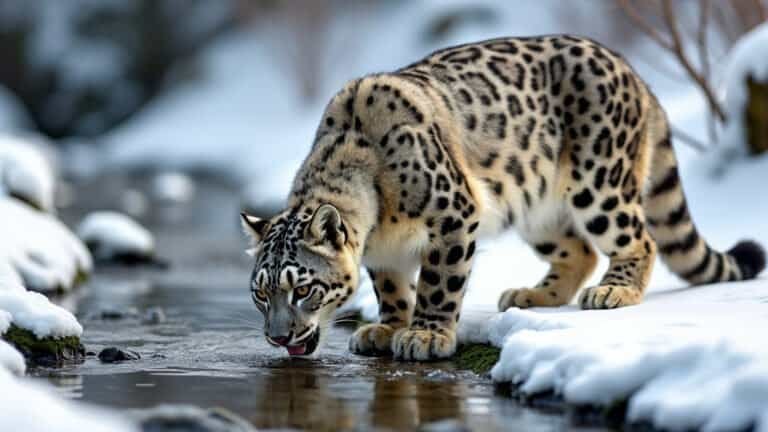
(372,340)
(423,345)
(530,297)
(609,297)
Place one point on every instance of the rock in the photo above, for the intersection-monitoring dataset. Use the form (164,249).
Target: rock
(117,314)
(153,315)
(113,354)
(115,237)
(178,418)
(49,351)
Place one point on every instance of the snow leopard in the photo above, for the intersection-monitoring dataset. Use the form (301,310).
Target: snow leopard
(554,136)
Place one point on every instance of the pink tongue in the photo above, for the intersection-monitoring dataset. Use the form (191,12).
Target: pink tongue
(296,349)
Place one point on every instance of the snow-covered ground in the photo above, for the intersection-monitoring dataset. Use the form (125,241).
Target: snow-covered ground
(23,402)
(686,358)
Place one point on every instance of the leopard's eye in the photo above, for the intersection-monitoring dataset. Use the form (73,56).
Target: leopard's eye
(261,294)
(301,291)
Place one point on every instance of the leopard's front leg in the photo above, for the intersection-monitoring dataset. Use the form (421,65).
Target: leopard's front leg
(445,268)
(396,295)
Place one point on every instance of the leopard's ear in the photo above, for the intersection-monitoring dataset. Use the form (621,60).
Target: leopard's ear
(327,227)
(255,228)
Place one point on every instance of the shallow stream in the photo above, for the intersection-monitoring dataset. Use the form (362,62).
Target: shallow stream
(209,350)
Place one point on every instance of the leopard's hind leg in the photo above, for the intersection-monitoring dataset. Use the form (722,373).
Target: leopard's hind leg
(572,260)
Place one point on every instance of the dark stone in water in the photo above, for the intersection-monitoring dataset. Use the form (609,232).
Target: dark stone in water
(153,315)
(112,355)
(117,314)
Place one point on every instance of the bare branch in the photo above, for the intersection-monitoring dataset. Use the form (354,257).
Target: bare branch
(671,22)
(689,140)
(644,25)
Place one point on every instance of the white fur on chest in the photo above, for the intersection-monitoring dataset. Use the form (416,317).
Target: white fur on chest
(531,223)
(396,248)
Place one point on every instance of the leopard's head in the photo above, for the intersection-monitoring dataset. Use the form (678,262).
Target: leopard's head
(304,270)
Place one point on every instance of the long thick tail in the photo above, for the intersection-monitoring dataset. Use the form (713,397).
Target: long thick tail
(679,243)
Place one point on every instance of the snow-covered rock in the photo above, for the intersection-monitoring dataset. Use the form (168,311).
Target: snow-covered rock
(32,407)
(34,312)
(173,187)
(112,235)
(26,171)
(748,57)
(41,250)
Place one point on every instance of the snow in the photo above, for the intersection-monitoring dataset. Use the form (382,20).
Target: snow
(33,311)
(10,359)
(685,358)
(42,250)
(111,233)
(26,171)
(363,301)
(746,58)
(22,402)
(173,187)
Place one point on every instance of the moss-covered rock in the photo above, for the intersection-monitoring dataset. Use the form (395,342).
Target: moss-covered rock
(48,351)
(479,358)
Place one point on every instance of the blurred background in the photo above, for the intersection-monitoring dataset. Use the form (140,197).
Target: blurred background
(233,88)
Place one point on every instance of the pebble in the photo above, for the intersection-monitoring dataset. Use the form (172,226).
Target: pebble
(113,354)
(153,315)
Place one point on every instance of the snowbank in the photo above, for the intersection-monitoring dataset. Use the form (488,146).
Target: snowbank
(26,171)
(31,407)
(746,58)
(678,371)
(42,250)
(686,358)
(110,235)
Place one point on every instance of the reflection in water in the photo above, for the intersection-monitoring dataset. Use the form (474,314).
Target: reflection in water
(304,398)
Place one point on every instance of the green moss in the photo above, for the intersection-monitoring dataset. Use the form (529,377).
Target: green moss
(48,351)
(478,358)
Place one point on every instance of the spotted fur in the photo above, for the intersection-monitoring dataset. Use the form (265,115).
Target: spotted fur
(555,136)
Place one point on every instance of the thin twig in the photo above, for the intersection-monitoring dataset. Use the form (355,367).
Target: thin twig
(687,139)
(702,42)
(671,22)
(644,25)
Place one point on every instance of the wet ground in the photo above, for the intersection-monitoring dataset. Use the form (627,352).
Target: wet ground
(209,350)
